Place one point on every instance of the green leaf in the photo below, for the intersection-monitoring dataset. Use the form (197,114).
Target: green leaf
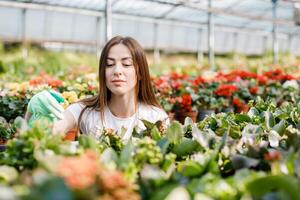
(148,124)
(126,155)
(163,144)
(53,188)
(280,127)
(185,147)
(269,120)
(87,142)
(285,183)
(174,132)
(8,174)
(235,132)
(240,161)
(178,193)
(253,112)
(162,192)
(109,158)
(190,168)
(251,129)
(239,118)
(155,134)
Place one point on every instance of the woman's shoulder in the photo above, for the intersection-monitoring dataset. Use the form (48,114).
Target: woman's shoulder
(76,105)
(76,108)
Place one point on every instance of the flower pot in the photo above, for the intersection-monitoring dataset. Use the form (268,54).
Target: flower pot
(228,109)
(2,141)
(71,135)
(204,113)
(2,147)
(180,116)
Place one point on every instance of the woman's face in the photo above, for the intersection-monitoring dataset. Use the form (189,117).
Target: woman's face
(120,73)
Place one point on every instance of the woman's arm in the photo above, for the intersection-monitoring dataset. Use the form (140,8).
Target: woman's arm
(64,125)
(27,116)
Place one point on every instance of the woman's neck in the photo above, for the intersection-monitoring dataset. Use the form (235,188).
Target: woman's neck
(122,106)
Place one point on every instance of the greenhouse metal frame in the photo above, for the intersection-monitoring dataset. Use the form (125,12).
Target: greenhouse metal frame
(245,26)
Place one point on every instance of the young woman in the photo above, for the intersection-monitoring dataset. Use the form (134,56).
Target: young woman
(125,95)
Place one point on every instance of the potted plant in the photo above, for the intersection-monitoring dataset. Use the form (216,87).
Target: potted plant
(7,132)
(185,106)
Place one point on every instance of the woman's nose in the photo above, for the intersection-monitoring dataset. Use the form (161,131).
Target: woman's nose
(118,70)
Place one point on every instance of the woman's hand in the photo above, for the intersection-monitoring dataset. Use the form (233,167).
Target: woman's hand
(45,104)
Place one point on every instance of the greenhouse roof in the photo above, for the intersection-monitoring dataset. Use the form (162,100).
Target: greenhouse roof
(239,15)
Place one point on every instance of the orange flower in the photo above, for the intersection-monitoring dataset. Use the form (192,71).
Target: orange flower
(45,79)
(79,172)
(111,180)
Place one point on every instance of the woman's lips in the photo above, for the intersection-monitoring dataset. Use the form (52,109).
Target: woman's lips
(118,82)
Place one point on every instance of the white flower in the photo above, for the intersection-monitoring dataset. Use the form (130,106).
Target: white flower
(292,84)
(274,138)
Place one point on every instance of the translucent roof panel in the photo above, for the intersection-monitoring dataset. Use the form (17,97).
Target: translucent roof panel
(188,14)
(245,16)
(232,13)
(144,8)
(230,20)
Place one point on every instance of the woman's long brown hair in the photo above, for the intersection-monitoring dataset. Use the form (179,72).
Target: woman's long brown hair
(144,90)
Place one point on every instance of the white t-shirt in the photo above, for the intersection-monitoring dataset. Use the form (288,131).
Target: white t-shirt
(91,123)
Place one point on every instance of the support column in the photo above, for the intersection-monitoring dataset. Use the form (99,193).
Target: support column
(199,48)
(211,39)
(156,53)
(97,34)
(108,20)
(23,34)
(289,47)
(274,33)
(265,44)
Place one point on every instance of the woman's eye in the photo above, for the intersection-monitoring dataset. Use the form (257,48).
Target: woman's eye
(109,65)
(127,64)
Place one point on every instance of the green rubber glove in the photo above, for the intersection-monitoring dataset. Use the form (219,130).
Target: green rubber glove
(46,105)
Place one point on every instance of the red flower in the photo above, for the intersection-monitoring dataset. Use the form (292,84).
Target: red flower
(185,103)
(236,102)
(91,87)
(262,80)
(253,90)
(278,75)
(272,156)
(176,85)
(225,90)
(287,77)
(197,81)
(273,73)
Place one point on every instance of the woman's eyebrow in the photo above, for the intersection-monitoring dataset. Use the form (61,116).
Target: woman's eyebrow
(126,58)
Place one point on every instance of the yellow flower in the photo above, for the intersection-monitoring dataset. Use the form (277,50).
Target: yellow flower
(24,86)
(78,86)
(12,86)
(65,104)
(71,96)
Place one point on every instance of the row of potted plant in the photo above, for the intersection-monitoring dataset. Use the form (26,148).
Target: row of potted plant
(223,92)
(253,155)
